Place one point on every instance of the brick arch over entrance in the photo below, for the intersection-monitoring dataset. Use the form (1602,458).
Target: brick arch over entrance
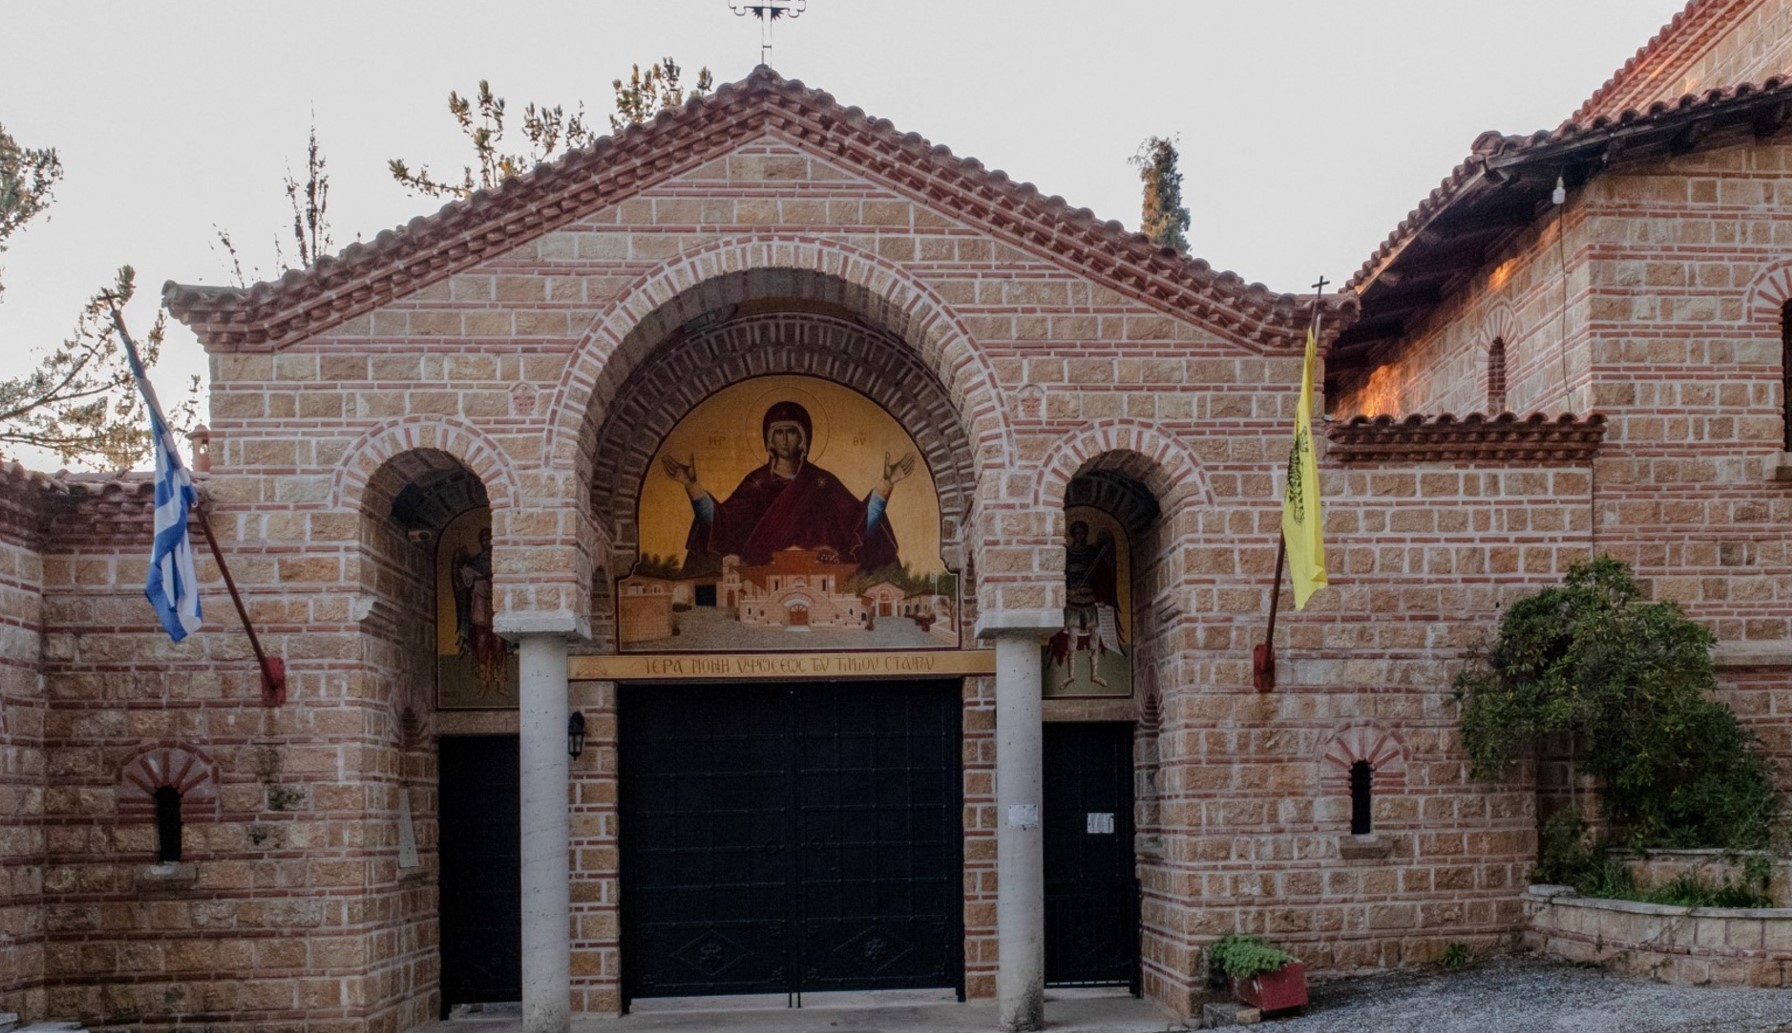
(380,445)
(782,266)
(692,367)
(1154,457)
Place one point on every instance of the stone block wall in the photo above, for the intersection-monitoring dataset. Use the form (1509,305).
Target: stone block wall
(1520,297)
(1254,797)
(22,757)
(1678,277)
(1706,946)
(286,908)
(1686,309)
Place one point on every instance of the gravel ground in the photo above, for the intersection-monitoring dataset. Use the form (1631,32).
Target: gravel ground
(1522,995)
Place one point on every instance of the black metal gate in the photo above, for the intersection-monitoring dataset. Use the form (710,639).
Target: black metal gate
(777,839)
(1091,886)
(479,820)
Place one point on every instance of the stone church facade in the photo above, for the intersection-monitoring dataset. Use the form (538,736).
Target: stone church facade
(526,352)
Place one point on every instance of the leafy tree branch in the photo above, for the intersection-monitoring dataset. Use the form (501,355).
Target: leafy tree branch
(27,178)
(80,400)
(1626,688)
(546,131)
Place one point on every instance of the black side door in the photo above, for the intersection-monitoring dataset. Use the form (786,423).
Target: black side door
(1091,885)
(479,815)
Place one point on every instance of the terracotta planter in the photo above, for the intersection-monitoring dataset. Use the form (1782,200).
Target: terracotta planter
(1275,991)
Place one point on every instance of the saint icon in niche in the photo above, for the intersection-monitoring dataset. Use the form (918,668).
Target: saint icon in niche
(790,503)
(474,638)
(1088,654)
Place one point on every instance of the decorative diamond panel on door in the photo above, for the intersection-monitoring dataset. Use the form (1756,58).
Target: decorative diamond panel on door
(790,838)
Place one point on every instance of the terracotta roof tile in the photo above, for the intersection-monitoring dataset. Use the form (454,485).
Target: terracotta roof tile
(1474,437)
(1687,35)
(428,248)
(1495,148)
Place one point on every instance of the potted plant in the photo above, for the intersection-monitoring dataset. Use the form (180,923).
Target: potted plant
(1265,977)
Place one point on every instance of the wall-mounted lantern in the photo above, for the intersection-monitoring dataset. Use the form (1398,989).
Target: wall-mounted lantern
(575,735)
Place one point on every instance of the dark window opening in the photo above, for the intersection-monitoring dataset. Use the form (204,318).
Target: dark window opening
(1786,371)
(167,824)
(1496,377)
(1361,778)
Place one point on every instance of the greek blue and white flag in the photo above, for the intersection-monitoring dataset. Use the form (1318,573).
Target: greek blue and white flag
(173,587)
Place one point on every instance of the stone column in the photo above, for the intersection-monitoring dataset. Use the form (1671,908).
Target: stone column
(547,836)
(1020,844)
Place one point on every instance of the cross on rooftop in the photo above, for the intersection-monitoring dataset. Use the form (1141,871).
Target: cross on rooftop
(768,11)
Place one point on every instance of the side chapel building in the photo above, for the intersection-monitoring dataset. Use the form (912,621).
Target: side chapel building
(924,804)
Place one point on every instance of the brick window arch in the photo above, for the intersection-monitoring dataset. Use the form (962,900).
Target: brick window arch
(1362,760)
(171,786)
(1496,377)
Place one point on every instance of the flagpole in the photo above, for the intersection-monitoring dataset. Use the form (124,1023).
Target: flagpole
(1263,657)
(273,669)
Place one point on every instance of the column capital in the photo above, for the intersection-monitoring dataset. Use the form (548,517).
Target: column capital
(1035,624)
(564,623)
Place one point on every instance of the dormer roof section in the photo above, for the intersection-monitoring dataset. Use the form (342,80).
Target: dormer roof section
(490,222)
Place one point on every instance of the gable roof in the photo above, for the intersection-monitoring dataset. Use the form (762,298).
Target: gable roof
(1660,68)
(1504,185)
(553,194)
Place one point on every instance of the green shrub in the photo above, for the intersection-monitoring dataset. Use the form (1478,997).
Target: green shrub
(1456,956)
(1563,853)
(1627,684)
(1241,957)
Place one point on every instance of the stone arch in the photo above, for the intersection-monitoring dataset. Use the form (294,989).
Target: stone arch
(381,444)
(682,374)
(1149,454)
(1363,740)
(664,299)
(187,769)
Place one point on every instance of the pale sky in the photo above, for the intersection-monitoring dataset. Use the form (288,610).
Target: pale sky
(1308,128)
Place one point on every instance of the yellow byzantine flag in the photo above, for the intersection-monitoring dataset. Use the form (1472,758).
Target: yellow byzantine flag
(1301,520)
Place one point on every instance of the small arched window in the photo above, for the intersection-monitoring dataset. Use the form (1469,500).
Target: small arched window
(167,823)
(1362,777)
(1786,371)
(1496,377)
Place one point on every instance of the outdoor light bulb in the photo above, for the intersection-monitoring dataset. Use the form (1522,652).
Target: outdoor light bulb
(1560,194)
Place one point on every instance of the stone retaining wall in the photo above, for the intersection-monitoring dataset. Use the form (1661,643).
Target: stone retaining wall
(1683,946)
(1653,868)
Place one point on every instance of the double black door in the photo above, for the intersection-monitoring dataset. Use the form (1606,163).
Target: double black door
(1091,885)
(778,839)
(479,820)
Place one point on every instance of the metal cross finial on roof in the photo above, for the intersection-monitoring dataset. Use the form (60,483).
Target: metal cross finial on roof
(767,11)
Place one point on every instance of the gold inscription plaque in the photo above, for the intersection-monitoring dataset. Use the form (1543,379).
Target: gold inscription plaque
(735,666)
